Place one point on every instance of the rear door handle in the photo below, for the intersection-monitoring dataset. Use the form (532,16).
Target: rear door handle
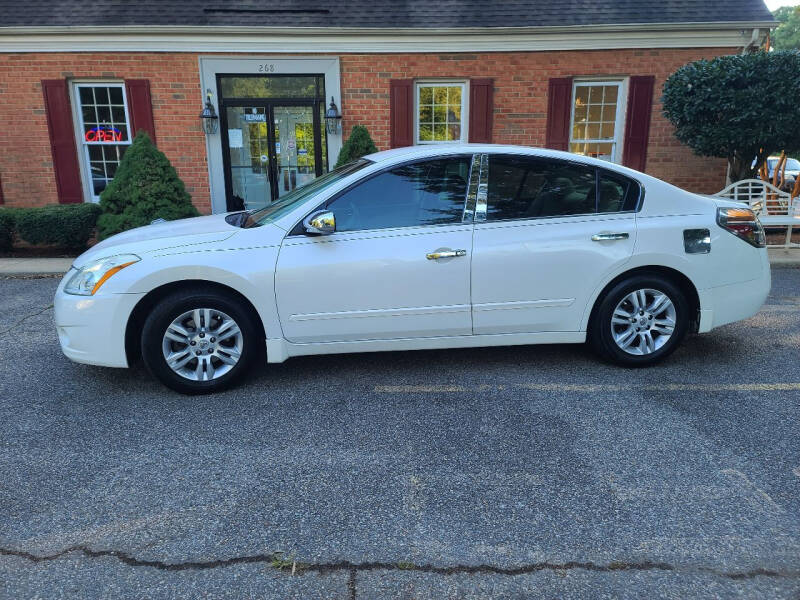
(602,237)
(445,254)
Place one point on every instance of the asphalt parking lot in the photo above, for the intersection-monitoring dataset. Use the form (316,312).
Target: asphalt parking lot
(502,472)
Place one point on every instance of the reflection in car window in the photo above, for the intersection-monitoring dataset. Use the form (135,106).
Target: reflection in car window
(288,203)
(522,187)
(422,193)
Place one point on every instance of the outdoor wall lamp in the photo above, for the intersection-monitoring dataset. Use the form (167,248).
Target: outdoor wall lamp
(209,116)
(333,119)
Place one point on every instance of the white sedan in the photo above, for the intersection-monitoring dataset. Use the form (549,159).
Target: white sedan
(419,248)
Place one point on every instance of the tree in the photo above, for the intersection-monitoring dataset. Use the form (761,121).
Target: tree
(357,145)
(741,107)
(787,34)
(145,187)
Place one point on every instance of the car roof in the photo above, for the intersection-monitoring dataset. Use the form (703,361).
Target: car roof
(398,155)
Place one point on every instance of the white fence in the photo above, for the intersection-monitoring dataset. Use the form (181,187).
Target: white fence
(773,207)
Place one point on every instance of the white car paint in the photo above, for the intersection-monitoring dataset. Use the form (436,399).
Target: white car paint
(520,282)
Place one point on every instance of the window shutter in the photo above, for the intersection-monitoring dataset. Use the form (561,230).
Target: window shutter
(140,107)
(62,141)
(401,112)
(637,121)
(481,92)
(2,201)
(559,106)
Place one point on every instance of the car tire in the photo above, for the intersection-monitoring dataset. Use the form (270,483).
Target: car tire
(640,321)
(193,358)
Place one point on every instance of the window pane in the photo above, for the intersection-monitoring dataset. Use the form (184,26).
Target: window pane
(427,193)
(527,188)
(86,95)
(274,86)
(101,95)
(116,95)
(439,105)
(617,193)
(594,121)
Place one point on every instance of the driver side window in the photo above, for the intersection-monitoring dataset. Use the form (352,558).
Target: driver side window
(417,194)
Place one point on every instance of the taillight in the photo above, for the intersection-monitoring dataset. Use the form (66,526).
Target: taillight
(743,223)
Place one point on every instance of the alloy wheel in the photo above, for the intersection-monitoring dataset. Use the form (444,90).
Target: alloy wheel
(202,344)
(643,321)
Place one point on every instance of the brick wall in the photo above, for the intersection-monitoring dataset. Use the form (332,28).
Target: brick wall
(26,163)
(520,106)
(520,100)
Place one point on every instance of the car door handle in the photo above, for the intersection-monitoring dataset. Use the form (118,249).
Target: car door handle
(445,254)
(602,237)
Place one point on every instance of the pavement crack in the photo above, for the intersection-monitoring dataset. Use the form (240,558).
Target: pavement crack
(25,318)
(352,569)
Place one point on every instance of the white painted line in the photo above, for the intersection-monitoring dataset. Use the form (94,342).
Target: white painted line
(589,388)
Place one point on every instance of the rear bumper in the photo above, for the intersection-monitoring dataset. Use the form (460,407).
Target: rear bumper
(91,329)
(736,301)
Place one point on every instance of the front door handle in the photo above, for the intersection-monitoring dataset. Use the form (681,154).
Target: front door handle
(602,237)
(445,254)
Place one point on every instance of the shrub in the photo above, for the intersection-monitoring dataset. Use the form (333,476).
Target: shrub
(357,145)
(741,107)
(145,187)
(65,225)
(6,229)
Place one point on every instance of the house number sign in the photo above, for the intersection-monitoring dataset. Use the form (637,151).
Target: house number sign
(266,68)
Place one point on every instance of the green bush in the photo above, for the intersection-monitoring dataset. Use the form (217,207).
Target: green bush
(357,145)
(64,225)
(742,107)
(6,229)
(145,187)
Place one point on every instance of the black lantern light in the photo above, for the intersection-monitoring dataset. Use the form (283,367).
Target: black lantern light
(209,116)
(333,119)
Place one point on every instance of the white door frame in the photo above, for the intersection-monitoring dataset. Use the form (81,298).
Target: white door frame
(268,65)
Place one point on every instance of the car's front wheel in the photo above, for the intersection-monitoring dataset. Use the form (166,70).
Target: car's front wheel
(199,341)
(640,321)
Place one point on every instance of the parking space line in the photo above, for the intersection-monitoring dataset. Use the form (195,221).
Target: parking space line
(589,388)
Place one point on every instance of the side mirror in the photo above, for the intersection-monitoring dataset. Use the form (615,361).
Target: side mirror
(321,222)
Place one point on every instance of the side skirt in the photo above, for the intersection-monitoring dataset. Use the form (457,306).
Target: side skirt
(278,349)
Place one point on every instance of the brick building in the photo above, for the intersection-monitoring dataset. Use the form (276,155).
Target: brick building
(78,78)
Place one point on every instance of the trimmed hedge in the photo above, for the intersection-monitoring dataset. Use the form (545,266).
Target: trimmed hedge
(65,225)
(146,187)
(6,229)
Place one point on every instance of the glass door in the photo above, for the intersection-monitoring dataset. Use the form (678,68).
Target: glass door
(296,147)
(246,146)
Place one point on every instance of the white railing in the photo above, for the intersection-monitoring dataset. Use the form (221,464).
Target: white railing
(774,207)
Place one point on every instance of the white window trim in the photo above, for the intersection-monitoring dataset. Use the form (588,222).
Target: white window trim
(83,146)
(619,118)
(464,85)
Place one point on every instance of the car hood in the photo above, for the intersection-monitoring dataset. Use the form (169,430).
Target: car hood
(161,235)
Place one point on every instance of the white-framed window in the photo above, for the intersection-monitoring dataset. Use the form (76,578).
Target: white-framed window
(597,123)
(103,131)
(440,113)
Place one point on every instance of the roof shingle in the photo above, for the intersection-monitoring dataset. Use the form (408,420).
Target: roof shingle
(377,13)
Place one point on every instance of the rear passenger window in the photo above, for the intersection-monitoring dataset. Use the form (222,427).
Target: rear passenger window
(523,187)
(617,193)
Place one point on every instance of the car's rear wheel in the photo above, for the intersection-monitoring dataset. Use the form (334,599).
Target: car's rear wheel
(197,342)
(640,321)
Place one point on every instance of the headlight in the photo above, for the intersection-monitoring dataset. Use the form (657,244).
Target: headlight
(91,276)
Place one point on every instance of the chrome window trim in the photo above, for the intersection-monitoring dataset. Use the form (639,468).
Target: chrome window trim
(483,190)
(472,189)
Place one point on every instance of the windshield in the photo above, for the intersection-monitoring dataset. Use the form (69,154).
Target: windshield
(792,164)
(286,204)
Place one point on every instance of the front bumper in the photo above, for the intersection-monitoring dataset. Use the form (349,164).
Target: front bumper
(91,329)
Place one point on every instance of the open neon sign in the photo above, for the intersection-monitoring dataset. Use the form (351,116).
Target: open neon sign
(103,134)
